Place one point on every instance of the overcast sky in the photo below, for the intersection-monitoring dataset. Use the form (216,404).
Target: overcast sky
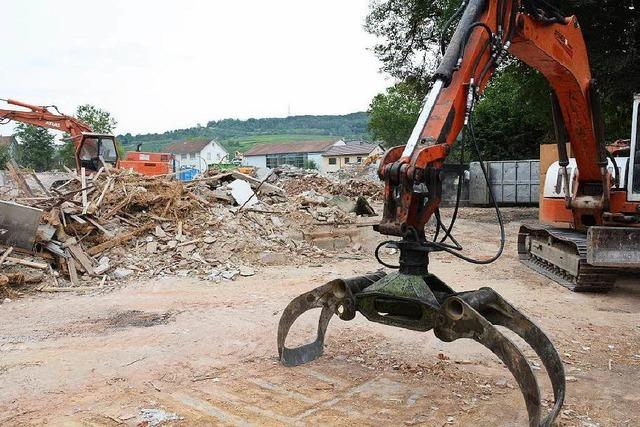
(161,65)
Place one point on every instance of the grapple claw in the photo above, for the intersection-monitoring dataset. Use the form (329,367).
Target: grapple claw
(415,299)
(335,297)
(473,315)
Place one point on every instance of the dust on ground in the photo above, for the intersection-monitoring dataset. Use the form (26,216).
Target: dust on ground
(186,351)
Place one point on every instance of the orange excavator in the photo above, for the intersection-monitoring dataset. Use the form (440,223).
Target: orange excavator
(593,209)
(93,150)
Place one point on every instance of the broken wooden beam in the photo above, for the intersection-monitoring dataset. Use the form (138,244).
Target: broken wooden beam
(119,240)
(38,265)
(16,176)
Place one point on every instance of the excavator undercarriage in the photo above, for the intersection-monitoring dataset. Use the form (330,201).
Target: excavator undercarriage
(561,255)
(582,262)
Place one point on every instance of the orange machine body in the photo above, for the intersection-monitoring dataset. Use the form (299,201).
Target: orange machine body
(559,52)
(150,164)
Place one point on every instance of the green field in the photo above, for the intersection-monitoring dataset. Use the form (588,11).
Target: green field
(241,135)
(242,144)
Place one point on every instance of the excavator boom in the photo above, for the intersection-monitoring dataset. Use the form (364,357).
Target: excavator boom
(412,297)
(92,150)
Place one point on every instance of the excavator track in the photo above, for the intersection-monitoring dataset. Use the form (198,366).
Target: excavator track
(561,255)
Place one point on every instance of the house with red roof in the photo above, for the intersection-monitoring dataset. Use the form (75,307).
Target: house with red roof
(197,153)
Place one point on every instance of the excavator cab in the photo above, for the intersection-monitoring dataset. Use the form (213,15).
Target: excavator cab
(96,151)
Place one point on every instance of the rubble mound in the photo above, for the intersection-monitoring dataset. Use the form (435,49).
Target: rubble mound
(117,224)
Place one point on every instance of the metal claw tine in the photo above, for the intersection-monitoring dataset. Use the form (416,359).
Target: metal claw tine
(504,314)
(460,320)
(335,297)
(299,305)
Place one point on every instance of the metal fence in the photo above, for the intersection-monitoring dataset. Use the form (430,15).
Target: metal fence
(514,182)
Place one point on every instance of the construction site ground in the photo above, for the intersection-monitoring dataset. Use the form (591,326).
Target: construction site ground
(184,351)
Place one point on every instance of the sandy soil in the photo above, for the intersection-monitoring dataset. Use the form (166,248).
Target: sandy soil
(206,353)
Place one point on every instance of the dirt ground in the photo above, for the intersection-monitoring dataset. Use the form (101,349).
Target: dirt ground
(179,351)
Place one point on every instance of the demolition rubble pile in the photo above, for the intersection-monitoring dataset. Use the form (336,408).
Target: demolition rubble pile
(298,181)
(92,230)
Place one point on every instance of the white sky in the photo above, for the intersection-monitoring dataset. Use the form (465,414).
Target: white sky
(161,65)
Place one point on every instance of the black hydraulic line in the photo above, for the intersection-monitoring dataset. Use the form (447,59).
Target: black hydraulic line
(469,32)
(449,61)
(560,130)
(453,252)
(456,209)
(616,177)
(453,17)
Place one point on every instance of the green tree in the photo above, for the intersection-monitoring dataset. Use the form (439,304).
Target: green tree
(36,149)
(393,114)
(5,155)
(514,115)
(100,120)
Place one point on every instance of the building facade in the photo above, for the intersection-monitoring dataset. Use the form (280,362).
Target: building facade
(299,154)
(339,156)
(197,154)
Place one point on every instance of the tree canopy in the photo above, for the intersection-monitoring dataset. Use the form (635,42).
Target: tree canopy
(100,120)
(513,117)
(36,149)
(393,114)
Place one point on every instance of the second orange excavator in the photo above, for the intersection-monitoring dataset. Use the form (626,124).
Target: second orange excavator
(92,150)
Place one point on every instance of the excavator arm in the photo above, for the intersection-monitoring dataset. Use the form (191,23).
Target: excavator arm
(554,47)
(91,149)
(412,297)
(41,116)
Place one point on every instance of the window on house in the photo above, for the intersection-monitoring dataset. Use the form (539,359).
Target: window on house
(208,156)
(346,160)
(359,159)
(294,159)
(332,160)
(192,156)
(183,156)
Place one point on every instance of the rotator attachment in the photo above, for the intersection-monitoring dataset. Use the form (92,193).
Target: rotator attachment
(414,299)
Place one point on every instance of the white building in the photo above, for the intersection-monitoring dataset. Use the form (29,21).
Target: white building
(299,154)
(197,153)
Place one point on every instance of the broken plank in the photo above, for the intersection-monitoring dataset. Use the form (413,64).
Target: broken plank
(40,184)
(73,271)
(82,258)
(116,208)
(99,226)
(104,191)
(119,240)
(38,265)
(16,176)
(6,254)
(78,219)
(199,199)
(83,182)
(265,187)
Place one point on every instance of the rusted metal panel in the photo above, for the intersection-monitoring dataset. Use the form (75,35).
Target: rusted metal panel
(613,247)
(19,224)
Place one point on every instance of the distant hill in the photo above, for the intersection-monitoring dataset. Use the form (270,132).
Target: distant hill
(240,135)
